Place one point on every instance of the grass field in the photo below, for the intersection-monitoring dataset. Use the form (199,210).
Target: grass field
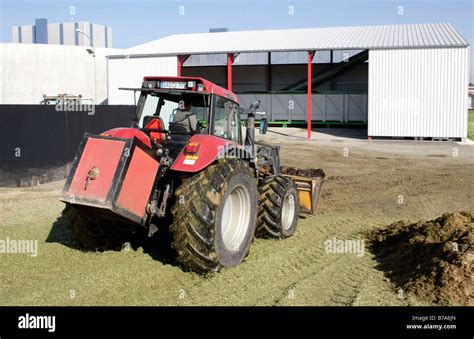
(370,186)
(470,125)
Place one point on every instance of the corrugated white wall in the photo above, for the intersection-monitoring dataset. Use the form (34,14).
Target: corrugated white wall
(129,72)
(418,92)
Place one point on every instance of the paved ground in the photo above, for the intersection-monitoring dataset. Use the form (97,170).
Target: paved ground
(368,185)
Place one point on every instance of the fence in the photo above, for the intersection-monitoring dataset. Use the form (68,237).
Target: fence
(326,107)
(37,142)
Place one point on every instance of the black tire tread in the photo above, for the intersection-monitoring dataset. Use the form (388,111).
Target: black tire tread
(271,195)
(193,220)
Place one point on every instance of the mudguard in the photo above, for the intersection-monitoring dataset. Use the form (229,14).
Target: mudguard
(203,150)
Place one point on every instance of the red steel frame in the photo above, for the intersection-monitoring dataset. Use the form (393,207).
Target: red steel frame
(181,60)
(310,90)
(230,61)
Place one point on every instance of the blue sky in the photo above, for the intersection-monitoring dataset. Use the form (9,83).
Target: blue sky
(136,22)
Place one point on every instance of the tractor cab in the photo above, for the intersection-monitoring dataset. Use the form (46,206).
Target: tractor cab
(170,110)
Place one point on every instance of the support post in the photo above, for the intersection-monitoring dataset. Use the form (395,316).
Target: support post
(181,60)
(269,72)
(332,61)
(230,61)
(310,80)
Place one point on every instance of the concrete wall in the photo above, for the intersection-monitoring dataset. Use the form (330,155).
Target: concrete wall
(27,71)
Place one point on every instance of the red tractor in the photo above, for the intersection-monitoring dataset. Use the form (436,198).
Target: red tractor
(211,187)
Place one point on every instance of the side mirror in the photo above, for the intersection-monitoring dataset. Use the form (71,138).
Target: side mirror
(254,106)
(262,128)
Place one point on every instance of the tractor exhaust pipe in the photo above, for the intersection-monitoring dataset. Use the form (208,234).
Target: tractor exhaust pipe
(250,132)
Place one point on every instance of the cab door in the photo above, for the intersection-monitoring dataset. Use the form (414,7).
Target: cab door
(226,119)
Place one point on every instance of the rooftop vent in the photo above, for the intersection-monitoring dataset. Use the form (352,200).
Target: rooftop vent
(218,30)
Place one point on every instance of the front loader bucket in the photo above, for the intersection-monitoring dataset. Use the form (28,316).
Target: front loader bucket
(112,175)
(309,184)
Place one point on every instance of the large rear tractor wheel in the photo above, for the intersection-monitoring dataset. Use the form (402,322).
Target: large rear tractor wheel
(97,232)
(279,208)
(214,216)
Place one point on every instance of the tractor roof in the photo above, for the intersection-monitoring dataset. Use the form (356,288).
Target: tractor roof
(209,87)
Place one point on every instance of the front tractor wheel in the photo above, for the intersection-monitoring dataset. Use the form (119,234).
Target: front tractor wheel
(279,208)
(214,216)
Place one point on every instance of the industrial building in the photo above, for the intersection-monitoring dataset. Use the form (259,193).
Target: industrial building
(400,80)
(65,33)
(30,71)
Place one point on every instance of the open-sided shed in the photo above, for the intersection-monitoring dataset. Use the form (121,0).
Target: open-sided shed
(417,73)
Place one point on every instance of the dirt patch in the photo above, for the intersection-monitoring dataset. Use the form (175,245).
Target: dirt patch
(433,259)
(308,173)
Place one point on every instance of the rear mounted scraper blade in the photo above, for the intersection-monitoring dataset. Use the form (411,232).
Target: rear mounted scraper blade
(114,174)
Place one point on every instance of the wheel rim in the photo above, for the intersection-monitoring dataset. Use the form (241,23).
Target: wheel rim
(235,218)
(288,212)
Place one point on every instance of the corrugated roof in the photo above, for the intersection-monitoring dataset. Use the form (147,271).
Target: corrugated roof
(327,38)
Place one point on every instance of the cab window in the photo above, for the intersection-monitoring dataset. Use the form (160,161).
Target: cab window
(226,120)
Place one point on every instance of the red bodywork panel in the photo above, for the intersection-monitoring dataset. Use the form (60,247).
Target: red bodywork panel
(104,155)
(208,151)
(209,87)
(128,133)
(138,182)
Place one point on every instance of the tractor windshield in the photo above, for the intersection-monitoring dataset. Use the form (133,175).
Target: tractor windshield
(167,104)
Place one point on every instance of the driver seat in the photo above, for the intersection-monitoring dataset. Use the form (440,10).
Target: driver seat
(182,127)
(154,122)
